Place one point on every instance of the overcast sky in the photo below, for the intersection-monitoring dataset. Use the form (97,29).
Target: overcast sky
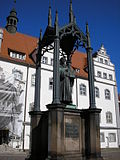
(103,17)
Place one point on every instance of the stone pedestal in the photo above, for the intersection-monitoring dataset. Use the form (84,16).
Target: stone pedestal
(92,134)
(65,134)
(39,134)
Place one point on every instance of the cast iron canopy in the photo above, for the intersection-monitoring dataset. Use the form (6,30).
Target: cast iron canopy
(71,37)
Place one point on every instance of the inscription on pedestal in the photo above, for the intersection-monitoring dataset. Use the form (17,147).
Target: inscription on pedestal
(72,133)
(71,130)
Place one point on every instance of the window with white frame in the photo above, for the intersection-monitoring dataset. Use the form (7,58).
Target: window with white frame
(112,137)
(97,92)
(107,94)
(17,55)
(33,80)
(102,137)
(110,77)
(82,89)
(51,83)
(44,60)
(98,73)
(101,60)
(105,75)
(108,117)
(106,62)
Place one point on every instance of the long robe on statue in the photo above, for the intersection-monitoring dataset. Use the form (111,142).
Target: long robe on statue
(66,82)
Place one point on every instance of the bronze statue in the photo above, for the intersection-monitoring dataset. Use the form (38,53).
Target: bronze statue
(66,82)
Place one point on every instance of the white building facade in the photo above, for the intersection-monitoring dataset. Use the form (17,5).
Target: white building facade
(20,74)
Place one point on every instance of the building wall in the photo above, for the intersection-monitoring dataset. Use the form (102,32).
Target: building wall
(80,100)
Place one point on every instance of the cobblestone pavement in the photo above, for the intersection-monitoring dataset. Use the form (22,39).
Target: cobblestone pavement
(108,154)
(12,156)
(111,154)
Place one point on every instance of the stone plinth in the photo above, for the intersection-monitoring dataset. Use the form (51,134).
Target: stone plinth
(39,135)
(92,134)
(65,134)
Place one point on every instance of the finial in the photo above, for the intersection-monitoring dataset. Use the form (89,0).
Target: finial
(56,18)
(14,3)
(74,19)
(102,45)
(87,28)
(71,18)
(40,34)
(49,17)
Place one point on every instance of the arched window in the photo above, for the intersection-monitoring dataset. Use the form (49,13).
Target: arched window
(14,22)
(108,117)
(82,89)
(11,21)
(97,93)
(107,94)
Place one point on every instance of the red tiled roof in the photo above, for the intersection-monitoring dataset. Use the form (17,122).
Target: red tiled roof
(79,61)
(18,42)
(27,44)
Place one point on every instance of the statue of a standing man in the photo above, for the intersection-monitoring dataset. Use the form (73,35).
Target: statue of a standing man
(66,82)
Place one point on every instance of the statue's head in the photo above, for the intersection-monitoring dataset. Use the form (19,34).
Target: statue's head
(62,61)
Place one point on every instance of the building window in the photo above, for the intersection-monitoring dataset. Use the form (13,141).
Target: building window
(82,89)
(110,77)
(33,80)
(44,60)
(97,93)
(106,62)
(17,55)
(107,94)
(102,137)
(112,137)
(105,75)
(99,74)
(101,60)
(50,83)
(108,117)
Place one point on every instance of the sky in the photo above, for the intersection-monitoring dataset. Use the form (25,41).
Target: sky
(103,17)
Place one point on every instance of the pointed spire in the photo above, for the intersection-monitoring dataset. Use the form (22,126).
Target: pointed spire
(49,17)
(74,19)
(88,35)
(71,17)
(12,21)
(56,18)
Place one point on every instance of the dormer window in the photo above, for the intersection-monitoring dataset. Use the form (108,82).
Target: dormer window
(17,55)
